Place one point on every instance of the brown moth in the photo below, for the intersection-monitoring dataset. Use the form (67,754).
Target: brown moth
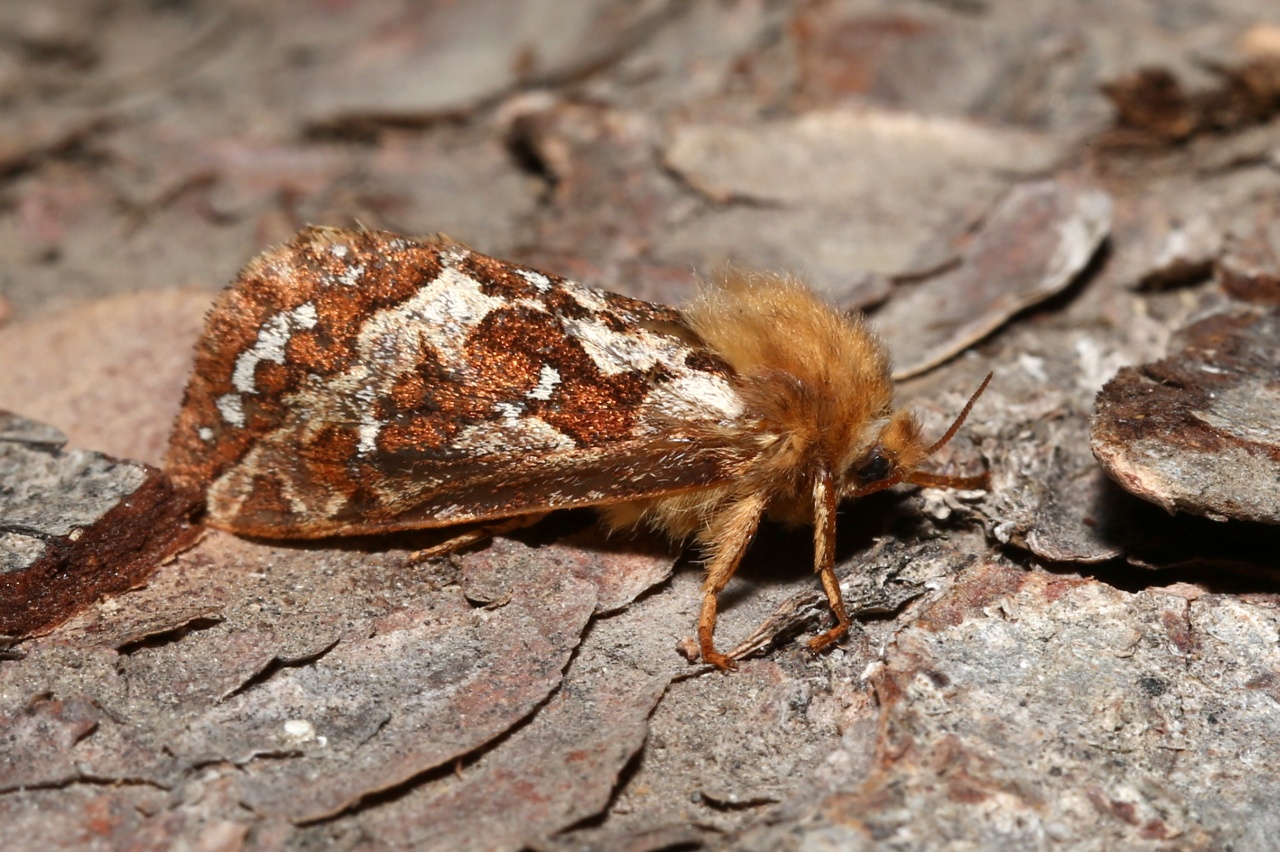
(356,382)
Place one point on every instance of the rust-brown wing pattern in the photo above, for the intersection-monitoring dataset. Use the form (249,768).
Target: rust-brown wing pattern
(360,381)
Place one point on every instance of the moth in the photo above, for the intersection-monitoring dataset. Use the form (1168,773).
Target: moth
(356,382)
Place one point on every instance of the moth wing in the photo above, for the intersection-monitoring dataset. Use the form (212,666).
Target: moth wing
(299,500)
(354,382)
(484,440)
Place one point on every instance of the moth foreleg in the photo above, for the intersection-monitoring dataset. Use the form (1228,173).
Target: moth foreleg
(727,537)
(824,557)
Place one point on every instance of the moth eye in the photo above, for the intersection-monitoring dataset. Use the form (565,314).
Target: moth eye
(874,467)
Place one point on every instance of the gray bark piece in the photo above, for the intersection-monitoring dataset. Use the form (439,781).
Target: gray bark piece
(76,526)
(1036,241)
(1048,496)
(555,772)
(463,55)
(53,495)
(21,430)
(279,665)
(618,569)
(798,194)
(991,689)
(822,156)
(1250,267)
(1197,431)
(422,690)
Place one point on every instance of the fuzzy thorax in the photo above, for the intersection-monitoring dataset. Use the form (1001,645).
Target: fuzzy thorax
(817,393)
(812,375)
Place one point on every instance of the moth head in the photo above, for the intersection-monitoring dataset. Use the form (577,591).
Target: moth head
(898,451)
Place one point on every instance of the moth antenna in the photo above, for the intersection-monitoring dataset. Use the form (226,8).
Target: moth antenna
(959,421)
(939,480)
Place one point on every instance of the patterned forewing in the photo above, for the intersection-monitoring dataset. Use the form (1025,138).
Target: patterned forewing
(359,381)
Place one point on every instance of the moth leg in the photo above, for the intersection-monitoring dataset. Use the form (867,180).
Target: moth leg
(824,558)
(471,536)
(727,537)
